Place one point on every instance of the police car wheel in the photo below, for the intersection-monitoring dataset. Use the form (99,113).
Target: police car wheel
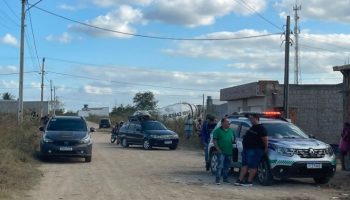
(125,143)
(264,173)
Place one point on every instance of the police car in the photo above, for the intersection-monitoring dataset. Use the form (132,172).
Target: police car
(291,154)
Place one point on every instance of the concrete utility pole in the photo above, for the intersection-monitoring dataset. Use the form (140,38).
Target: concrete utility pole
(297,72)
(54,104)
(21,67)
(51,97)
(42,89)
(286,69)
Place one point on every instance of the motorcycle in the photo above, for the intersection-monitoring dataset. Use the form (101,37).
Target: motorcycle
(114,135)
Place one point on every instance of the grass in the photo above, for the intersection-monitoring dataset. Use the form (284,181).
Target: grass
(18,167)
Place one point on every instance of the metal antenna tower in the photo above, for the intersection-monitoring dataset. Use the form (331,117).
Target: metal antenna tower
(297,72)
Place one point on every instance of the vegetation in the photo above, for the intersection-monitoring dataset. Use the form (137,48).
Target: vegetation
(145,101)
(8,96)
(18,167)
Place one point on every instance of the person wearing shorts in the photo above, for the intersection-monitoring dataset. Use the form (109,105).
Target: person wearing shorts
(255,145)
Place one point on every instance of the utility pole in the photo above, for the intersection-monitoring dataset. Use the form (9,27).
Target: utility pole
(297,72)
(54,97)
(203,109)
(286,69)
(42,89)
(21,67)
(51,97)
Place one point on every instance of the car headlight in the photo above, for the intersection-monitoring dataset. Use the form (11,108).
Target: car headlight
(285,151)
(329,150)
(46,139)
(85,140)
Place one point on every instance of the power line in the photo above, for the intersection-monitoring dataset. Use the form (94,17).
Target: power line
(129,83)
(318,40)
(16,73)
(9,18)
(13,12)
(155,37)
(245,4)
(34,41)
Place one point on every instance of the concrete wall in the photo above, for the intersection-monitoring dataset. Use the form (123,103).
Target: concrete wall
(11,106)
(103,112)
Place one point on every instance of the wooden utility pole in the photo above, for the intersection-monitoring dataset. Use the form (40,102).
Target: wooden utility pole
(21,67)
(42,89)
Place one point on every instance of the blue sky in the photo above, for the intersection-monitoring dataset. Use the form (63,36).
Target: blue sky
(101,68)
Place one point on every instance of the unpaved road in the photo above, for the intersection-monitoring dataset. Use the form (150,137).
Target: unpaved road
(133,173)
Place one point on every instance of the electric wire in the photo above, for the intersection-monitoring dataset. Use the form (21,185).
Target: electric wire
(245,4)
(155,37)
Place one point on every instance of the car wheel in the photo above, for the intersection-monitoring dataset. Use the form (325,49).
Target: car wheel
(146,145)
(113,139)
(321,180)
(125,143)
(88,159)
(213,162)
(264,173)
(173,147)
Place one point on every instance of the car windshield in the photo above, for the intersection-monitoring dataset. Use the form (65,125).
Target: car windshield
(153,125)
(104,121)
(284,131)
(67,125)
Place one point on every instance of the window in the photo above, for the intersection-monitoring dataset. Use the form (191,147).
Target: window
(235,125)
(153,125)
(67,125)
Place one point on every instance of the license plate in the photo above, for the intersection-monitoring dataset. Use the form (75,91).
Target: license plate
(314,166)
(66,149)
(168,142)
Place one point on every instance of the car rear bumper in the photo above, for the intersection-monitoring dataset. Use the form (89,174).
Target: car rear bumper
(163,142)
(82,150)
(300,170)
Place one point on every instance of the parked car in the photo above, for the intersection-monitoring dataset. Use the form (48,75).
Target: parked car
(66,136)
(291,154)
(105,123)
(148,133)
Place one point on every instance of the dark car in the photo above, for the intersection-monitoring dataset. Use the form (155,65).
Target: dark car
(105,123)
(148,133)
(66,136)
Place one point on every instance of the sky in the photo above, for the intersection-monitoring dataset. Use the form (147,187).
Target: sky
(102,52)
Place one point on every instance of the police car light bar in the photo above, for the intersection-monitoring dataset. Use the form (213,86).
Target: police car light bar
(272,113)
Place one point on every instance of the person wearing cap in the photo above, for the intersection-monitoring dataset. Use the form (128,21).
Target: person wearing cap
(255,145)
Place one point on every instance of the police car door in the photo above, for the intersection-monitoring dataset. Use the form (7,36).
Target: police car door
(235,125)
(239,141)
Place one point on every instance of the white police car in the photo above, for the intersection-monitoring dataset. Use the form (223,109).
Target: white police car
(291,154)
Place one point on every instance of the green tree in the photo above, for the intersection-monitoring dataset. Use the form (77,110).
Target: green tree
(145,101)
(7,96)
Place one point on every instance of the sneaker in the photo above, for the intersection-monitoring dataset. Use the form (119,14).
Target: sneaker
(226,181)
(239,183)
(247,184)
(217,181)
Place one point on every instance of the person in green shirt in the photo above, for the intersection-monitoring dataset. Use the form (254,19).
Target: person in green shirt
(223,138)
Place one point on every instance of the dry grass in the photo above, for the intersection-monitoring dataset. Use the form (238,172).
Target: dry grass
(18,167)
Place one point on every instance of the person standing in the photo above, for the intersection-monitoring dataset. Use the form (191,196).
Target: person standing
(255,145)
(188,127)
(207,127)
(223,138)
(344,145)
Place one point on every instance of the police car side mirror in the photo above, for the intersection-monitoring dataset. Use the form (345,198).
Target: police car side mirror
(41,128)
(312,136)
(92,129)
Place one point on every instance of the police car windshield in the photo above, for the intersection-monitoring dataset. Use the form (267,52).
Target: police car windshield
(67,125)
(284,131)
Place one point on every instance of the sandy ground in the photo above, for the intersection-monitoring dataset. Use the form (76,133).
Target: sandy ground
(133,173)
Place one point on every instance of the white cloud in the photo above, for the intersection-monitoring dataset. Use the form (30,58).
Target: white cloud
(318,9)
(200,12)
(120,20)
(89,89)
(265,55)
(64,38)
(9,39)
(8,69)
(9,84)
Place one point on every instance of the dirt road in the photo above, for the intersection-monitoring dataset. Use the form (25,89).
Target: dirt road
(133,173)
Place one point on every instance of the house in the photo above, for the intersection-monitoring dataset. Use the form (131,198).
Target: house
(86,111)
(317,109)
